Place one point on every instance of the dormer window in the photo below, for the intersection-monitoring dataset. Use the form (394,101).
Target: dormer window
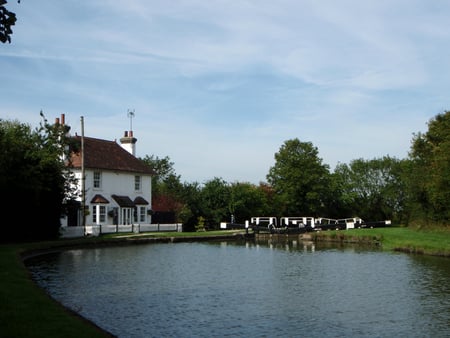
(97,180)
(137,183)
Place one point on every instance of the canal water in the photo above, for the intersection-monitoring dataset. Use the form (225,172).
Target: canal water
(266,289)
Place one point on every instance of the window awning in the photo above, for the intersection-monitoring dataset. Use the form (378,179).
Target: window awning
(140,200)
(123,201)
(99,199)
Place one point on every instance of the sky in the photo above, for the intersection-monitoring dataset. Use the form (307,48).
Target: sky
(219,86)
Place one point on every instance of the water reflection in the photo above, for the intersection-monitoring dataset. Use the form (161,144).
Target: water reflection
(261,288)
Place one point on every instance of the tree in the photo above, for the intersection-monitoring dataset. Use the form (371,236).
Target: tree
(7,20)
(215,201)
(300,179)
(166,188)
(246,201)
(191,210)
(33,178)
(429,177)
(372,189)
(162,167)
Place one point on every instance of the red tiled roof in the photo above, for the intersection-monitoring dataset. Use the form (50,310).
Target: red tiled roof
(99,199)
(107,155)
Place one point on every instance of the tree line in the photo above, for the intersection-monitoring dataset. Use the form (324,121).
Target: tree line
(410,191)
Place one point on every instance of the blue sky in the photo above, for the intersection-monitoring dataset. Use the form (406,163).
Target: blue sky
(219,86)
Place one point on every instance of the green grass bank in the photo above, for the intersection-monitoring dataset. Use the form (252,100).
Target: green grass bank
(434,242)
(27,311)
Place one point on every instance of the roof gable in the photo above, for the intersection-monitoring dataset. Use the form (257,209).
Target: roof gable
(107,155)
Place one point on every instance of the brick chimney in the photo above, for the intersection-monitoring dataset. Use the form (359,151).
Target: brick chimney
(128,142)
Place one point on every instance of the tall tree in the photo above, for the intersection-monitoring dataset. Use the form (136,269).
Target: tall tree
(300,179)
(430,171)
(33,178)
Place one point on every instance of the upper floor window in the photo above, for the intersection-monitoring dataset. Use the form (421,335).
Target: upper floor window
(97,179)
(137,183)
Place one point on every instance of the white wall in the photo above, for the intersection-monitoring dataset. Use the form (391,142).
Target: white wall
(113,183)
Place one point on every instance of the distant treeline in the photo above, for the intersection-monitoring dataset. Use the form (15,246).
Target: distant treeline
(414,190)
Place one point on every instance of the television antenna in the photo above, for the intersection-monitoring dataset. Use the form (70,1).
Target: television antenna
(130,115)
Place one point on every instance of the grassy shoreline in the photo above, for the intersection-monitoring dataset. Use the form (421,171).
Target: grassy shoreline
(27,311)
(428,242)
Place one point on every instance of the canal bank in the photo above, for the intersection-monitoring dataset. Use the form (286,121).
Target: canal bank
(432,242)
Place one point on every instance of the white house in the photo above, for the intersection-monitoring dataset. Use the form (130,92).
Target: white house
(117,186)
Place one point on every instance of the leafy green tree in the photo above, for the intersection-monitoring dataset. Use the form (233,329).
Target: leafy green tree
(163,167)
(372,189)
(246,200)
(215,201)
(429,178)
(164,179)
(300,179)
(33,178)
(7,20)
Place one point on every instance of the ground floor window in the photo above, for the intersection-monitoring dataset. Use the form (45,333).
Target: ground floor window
(102,214)
(142,214)
(98,214)
(126,216)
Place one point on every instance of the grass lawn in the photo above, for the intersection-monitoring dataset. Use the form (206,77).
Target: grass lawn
(27,311)
(430,242)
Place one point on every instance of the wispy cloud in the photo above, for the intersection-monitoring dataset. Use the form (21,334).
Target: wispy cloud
(219,86)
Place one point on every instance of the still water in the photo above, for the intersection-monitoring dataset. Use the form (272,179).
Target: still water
(251,290)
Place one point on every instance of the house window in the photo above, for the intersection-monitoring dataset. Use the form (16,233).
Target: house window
(102,214)
(98,214)
(97,179)
(142,214)
(126,216)
(139,214)
(137,183)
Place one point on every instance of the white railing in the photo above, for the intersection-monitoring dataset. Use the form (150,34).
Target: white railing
(71,232)
(96,230)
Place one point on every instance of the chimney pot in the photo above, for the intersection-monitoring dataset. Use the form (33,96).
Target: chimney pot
(57,121)
(126,134)
(63,119)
